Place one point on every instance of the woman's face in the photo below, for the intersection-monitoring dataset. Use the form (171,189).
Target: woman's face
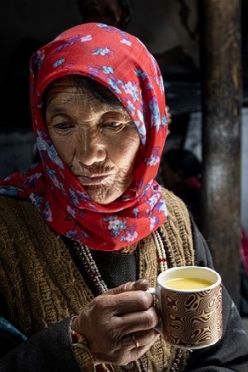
(98,141)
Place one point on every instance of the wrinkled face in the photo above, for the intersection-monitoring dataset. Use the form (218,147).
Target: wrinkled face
(98,141)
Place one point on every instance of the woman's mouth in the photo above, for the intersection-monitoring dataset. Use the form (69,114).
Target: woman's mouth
(94,179)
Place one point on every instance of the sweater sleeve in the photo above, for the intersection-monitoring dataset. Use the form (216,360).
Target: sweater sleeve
(231,352)
(47,351)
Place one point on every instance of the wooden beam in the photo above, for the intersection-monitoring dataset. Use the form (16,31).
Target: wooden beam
(220,22)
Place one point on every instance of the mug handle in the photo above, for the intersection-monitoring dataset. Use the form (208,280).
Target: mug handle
(153,291)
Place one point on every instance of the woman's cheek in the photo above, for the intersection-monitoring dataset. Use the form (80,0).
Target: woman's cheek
(65,149)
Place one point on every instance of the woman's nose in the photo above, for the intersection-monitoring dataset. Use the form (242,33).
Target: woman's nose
(91,148)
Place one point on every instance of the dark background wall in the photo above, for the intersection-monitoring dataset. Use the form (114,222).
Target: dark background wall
(159,27)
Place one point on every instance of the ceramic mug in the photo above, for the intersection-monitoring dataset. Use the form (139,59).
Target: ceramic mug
(190,300)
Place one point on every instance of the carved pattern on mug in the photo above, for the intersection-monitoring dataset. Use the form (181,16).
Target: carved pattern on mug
(192,309)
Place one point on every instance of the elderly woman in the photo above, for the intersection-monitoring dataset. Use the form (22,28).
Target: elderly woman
(86,231)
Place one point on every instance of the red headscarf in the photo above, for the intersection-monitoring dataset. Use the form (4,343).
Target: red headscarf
(122,63)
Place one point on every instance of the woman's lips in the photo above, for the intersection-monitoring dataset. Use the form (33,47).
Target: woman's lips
(95,179)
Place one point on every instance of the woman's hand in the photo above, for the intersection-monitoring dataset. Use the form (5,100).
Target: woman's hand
(119,324)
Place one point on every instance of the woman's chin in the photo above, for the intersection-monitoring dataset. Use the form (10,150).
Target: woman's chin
(101,195)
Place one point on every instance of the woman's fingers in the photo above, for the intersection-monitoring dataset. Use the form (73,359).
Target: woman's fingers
(119,325)
(138,321)
(129,297)
(140,284)
(139,339)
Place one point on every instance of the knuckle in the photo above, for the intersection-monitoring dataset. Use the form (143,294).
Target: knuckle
(127,286)
(151,319)
(144,300)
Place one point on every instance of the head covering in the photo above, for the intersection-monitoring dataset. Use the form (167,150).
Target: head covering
(122,63)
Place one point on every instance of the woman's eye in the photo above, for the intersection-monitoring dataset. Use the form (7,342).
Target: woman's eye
(62,126)
(114,126)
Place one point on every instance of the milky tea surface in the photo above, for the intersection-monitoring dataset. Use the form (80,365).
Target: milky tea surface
(187,283)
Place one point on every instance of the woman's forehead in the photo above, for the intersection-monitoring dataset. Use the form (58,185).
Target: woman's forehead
(81,85)
(65,90)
